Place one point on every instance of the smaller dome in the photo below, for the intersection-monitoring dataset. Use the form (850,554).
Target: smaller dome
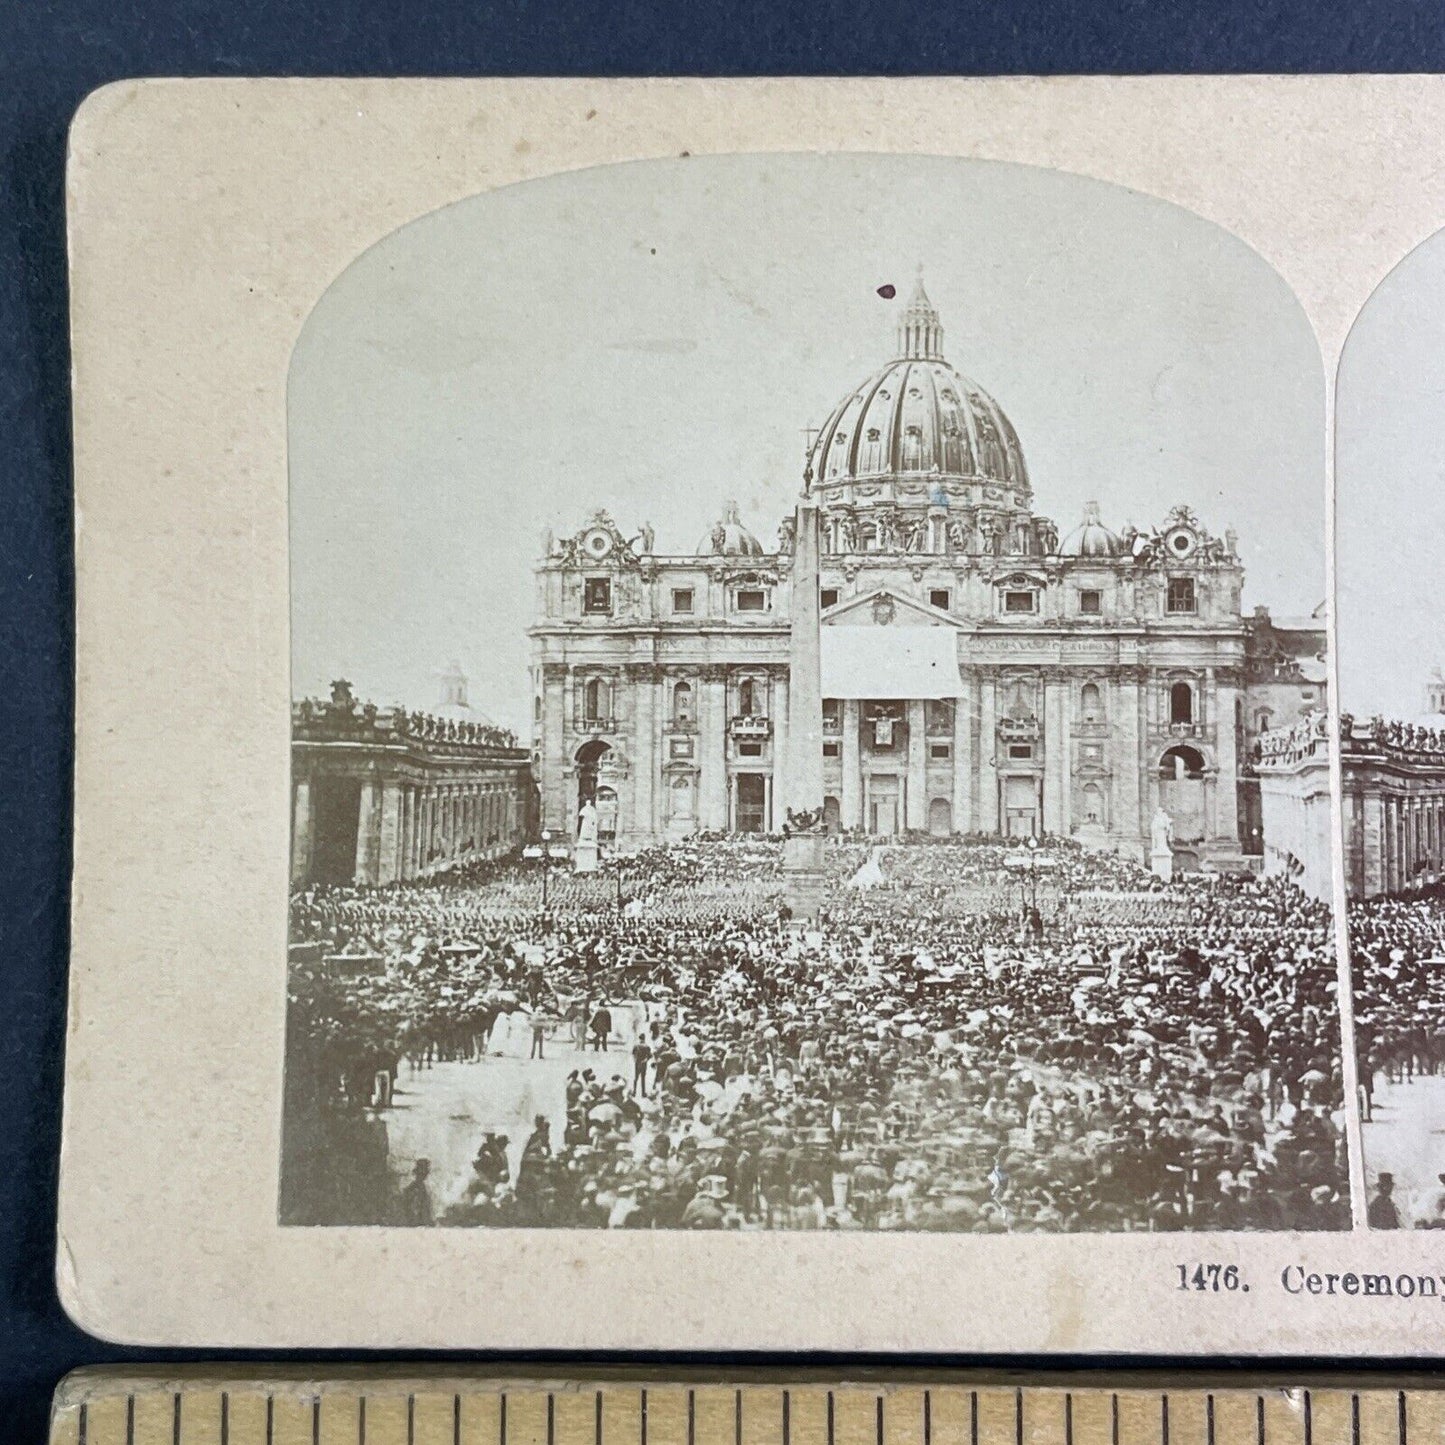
(1091,538)
(452,705)
(729,538)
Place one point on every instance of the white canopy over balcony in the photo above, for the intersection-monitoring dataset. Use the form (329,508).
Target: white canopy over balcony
(890,662)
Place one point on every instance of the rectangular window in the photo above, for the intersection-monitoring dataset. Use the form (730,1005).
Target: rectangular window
(751,599)
(1021,751)
(940,751)
(939,598)
(828,597)
(682,599)
(1091,602)
(597,594)
(1019,601)
(1092,753)
(748,748)
(681,747)
(832,748)
(1181,595)
(1307,695)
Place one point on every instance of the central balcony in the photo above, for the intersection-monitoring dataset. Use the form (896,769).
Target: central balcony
(751,729)
(1019,729)
(1200,731)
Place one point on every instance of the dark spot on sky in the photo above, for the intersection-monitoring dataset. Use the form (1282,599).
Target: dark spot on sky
(888,292)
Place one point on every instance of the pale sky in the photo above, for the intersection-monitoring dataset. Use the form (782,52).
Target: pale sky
(654,339)
(1390,490)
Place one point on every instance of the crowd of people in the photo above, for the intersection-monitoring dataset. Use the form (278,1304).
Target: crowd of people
(967,1038)
(1397,959)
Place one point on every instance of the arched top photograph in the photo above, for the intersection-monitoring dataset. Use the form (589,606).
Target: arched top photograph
(887,612)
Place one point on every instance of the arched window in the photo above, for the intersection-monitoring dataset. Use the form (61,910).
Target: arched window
(1262,720)
(747,699)
(595,698)
(1090,704)
(682,710)
(1181,703)
(536,709)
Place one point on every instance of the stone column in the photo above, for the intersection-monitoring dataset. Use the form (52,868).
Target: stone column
(644,683)
(301,831)
(1056,755)
(388,863)
(408,833)
(556,757)
(915,806)
(962,762)
(778,713)
(1391,845)
(1226,803)
(712,751)
(987,811)
(803,766)
(368,828)
(1122,754)
(852,800)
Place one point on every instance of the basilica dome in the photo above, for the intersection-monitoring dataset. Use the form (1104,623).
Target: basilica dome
(918,416)
(729,538)
(1091,538)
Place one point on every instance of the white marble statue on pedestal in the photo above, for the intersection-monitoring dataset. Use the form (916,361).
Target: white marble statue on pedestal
(1161,840)
(584,857)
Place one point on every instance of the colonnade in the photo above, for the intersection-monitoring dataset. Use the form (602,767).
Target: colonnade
(1404,836)
(425,826)
(408,829)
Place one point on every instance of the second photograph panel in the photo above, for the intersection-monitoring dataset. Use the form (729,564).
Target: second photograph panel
(1389,514)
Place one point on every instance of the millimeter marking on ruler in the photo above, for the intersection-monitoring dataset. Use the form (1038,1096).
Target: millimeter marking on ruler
(377,1409)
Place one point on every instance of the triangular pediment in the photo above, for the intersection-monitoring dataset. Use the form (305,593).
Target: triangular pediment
(884,607)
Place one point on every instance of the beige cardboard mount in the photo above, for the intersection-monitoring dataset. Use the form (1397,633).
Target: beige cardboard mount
(207,218)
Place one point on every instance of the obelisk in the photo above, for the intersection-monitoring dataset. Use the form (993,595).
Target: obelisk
(802,790)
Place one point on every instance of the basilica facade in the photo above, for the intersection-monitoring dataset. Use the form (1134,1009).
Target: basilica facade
(982,672)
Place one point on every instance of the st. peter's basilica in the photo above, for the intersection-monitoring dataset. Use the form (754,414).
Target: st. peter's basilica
(982,672)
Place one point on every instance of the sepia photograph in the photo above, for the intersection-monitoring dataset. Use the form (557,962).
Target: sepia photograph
(748,773)
(1392,732)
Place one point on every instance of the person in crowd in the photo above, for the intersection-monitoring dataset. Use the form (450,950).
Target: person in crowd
(641,1053)
(601,1027)
(416,1197)
(1382,1213)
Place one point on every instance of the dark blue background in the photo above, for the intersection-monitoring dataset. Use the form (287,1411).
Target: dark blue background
(52,53)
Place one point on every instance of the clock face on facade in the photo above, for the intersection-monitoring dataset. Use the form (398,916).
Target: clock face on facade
(1181,541)
(597,542)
